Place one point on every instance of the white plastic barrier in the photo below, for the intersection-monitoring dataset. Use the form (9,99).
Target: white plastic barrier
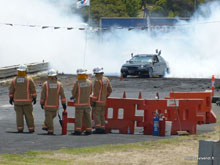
(168,128)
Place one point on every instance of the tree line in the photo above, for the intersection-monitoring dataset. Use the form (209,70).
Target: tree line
(139,8)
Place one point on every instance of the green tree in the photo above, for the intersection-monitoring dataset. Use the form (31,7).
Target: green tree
(110,8)
(143,5)
(132,7)
(107,8)
(160,8)
(171,8)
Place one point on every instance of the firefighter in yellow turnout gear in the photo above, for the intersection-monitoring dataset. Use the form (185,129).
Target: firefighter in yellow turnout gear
(22,92)
(81,92)
(51,91)
(101,91)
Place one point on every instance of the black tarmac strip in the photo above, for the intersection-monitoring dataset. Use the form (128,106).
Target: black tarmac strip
(13,142)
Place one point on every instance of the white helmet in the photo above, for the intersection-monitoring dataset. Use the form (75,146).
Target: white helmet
(52,72)
(22,68)
(98,70)
(81,71)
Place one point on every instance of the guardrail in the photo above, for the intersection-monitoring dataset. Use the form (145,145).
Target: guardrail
(10,71)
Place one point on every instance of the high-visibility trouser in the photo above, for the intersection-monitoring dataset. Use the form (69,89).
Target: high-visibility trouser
(86,113)
(27,111)
(99,116)
(48,122)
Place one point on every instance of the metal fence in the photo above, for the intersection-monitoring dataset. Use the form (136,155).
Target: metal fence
(10,71)
(148,23)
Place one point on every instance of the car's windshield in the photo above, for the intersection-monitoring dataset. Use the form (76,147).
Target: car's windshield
(145,59)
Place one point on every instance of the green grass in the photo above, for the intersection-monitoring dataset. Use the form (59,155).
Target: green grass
(35,157)
(28,159)
(104,148)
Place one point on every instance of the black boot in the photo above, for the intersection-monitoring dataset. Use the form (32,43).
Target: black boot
(103,131)
(50,133)
(45,128)
(20,131)
(31,131)
(88,132)
(97,131)
(77,133)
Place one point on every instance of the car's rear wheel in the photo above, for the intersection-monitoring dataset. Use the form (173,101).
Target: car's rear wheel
(150,73)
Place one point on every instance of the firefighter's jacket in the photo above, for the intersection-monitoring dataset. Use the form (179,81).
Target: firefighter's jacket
(101,90)
(81,92)
(50,93)
(22,89)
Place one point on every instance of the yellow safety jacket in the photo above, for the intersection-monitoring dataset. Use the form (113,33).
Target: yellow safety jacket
(101,90)
(22,89)
(81,92)
(51,90)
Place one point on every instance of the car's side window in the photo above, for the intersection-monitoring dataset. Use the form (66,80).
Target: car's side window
(160,59)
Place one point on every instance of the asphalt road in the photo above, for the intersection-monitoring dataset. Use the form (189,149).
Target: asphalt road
(12,142)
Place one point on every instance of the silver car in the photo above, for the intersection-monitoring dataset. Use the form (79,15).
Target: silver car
(145,65)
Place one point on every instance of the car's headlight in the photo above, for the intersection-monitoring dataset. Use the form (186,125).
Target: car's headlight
(143,66)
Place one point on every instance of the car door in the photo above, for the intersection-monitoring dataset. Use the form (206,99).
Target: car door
(162,65)
(156,66)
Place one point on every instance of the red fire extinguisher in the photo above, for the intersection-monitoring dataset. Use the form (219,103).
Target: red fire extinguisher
(64,122)
(162,125)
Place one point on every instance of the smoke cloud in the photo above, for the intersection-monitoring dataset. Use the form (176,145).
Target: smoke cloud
(191,52)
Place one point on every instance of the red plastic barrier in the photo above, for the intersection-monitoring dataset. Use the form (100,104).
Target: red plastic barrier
(205,115)
(127,123)
(73,119)
(70,119)
(186,110)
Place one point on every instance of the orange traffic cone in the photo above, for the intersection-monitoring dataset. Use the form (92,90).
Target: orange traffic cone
(140,96)
(157,96)
(124,95)
(121,77)
(213,84)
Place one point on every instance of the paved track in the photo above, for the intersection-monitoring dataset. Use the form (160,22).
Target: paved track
(12,142)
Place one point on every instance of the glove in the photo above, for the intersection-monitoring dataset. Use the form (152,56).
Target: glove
(64,106)
(34,100)
(42,106)
(11,100)
(71,98)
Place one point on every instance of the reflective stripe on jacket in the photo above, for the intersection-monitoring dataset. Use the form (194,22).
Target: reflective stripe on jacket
(50,93)
(81,92)
(101,90)
(22,89)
